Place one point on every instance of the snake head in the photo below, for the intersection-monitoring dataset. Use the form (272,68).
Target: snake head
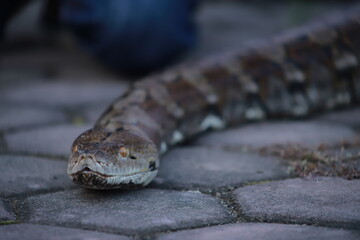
(102,159)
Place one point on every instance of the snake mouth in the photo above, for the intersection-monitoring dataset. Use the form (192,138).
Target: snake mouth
(88,171)
(91,179)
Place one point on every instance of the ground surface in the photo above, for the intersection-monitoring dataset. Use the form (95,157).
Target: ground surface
(269,180)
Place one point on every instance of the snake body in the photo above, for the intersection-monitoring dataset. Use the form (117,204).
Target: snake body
(295,75)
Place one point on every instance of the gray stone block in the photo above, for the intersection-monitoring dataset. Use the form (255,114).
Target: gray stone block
(5,214)
(309,134)
(51,140)
(200,167)
(92,113)
(131,212)
(254,231)
(15,116)
(67,94)
(20,174)
(39,232)
(321,201)
(222,25)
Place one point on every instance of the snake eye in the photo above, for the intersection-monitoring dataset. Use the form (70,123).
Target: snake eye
(124,152)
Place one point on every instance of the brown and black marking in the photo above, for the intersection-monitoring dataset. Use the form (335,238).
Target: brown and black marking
(302,55)
(294,75)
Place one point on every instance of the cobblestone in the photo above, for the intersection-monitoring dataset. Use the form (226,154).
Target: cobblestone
(50,93)
(254,231)
(39,232)
(51,140)
(93,112)
(134,212)
(22,174)
(56,64)
(331,202)
(63,94)
(256,135)
(12,117)
(198,167)
(5,214)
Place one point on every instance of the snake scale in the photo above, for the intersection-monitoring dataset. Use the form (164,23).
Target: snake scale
(294,75)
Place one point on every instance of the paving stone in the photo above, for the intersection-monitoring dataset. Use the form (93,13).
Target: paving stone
(309,134)
(222,24)
(51,140)
(67,94)
(338,161)
(5,214)
(322,201)
(49,63)
(39,232)
(15,116)
(93,112)
(348,117)
(200,167)
(268,231)
(131,212)
(22,174)
(14,77)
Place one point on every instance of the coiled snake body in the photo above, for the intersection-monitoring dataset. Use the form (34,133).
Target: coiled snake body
(295,75)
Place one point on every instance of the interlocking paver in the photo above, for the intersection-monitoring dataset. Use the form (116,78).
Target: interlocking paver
(5,213)
(133,212)
(69,94)
(93,112)
(322,201)
(348,117)
(51,140)
(38,232)
(15,116)
(309,134)
(199,167)
(254,231)
(23,174)
(47,81)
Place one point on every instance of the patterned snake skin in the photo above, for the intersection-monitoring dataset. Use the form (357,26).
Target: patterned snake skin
(295,75)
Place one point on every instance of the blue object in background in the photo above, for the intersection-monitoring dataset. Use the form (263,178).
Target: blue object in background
(132,35)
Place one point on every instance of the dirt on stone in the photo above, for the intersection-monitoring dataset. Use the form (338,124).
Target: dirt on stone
(342,160)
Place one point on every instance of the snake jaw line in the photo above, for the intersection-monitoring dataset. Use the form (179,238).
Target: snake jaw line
(95,180)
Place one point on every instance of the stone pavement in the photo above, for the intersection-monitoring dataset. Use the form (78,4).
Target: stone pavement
(268,180)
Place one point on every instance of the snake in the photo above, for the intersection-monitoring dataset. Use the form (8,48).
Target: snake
(294,75)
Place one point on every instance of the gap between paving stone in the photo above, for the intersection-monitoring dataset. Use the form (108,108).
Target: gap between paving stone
(23,175)
(203,168)
(255,231)
(132,212)
(12,117)
(41,232)
(50,140)
(323,201)
(342,160)
(309,134)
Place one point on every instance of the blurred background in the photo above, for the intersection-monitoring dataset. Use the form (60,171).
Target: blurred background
(143,36)
(59,55)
